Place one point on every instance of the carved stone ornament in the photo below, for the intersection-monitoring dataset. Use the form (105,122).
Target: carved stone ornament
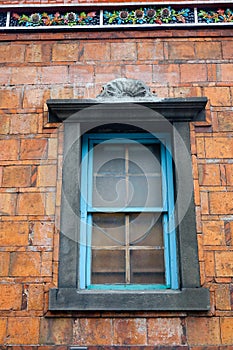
(126,89)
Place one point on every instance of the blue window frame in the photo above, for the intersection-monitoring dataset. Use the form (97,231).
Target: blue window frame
(127,231)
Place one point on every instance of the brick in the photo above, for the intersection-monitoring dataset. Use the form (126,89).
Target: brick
(47,175)
(3,328)
(225,121)
(24,124)
(224,264)
(54,75)
(126,51)
(166,74)
(33,149)
(5,74)
(208,50)
(9,149)
(209,175)
(81,74)
(203,331)
(31,204)
(11,53)
(13,233)
(104,74)
(23,330)
(141,72)
(166,331)
(229,174)
(38,53)
(56,331)
(218,96)
(227,49)
(24,75)
(25,264)
(46,265)
(226,71)
(193,73)
(150,50)
(209,264)
(222,297)
(226,324)
(62,92)
(221,202)
(50,203)
(204,200)
(16,176)
(11,296)
(4,124)
(96,52)
(42,233)
(35,297)
(200,143)
(7,203)
(10,97)
(4,263)
(65,52)
(130,331)
(52,148)
(35,97)
(93,331)
(228,228)
(181,50)
(213,233)
(219,147)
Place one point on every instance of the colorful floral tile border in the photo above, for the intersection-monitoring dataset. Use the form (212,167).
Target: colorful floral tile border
(130,16)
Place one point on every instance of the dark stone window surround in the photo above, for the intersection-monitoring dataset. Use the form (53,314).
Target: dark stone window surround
(68,296)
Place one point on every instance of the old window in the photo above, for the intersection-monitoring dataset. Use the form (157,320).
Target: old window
(124,245)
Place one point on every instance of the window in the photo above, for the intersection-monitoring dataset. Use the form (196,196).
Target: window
(99,224)
(126,206)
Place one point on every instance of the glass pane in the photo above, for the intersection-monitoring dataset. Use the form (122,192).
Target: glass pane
(144,157)
(145,191)
(146,230)
(109,158)
(108,230)
(147,266)
(109,191)
(108,266)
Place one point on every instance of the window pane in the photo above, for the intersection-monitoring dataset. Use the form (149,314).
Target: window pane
(108,230)
(108,266)
(146,230)
(109,191)
(145,157)
(145,191)
(147,266)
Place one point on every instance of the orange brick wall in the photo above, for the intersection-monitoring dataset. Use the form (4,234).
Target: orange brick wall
(35,67)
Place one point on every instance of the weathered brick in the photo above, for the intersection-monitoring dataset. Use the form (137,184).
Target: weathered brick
(226,324)
(65,52)
(213,233)
(140,71)
(209,174)
(193,73)
(10,97)
(38,52)
(3,328)
(229,174)
(129,331)
(209,264)
(41,233)
(23,330)
(93,331)
(46,264)
(4,124)
(222,297)
(181,50)
(33,149)
(104,74)
(208,50)
(219,96)
(24,124)
(9,149)
(221,202)
(96,52)
(166,331)
(150,50)
(203,331)
(25,264)
(224,263)
(54,74)
(5,74)
(11,296)
(4,263)
(16,176)
(31,204)
(225,121)
(47,175)
(24,75)
(35,297)
(81,74)
(226,71)
(7,203)
(11,53)
(221,147)
(166,74)
(13,233)
(35,97)
(123,52)
(56,331)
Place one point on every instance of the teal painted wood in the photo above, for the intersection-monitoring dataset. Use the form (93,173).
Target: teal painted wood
(170,245)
